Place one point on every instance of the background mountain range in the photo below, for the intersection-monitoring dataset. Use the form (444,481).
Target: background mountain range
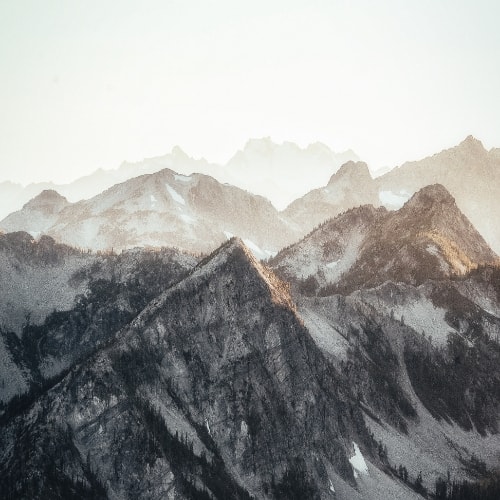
(169,206)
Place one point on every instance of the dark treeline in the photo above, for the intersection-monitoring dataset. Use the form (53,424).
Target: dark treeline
(465,490)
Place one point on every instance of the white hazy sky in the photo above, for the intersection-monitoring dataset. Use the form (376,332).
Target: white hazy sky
(87,84)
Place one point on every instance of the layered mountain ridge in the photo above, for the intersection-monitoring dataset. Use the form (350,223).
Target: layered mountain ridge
(263,167)
(467,171)
(360,362)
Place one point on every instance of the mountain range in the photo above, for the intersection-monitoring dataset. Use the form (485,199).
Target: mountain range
(171,208)
(261,166)
(339,348)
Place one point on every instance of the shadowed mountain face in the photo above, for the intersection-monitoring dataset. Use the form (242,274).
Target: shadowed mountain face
(428,238)
(60,304)
(168,378)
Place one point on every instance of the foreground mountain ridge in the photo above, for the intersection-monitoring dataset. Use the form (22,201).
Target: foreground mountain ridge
(278,427)
(234,388)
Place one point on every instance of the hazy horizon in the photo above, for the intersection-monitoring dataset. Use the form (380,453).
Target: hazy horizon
(90,85)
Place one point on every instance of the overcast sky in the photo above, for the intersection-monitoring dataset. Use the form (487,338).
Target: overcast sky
(88,84)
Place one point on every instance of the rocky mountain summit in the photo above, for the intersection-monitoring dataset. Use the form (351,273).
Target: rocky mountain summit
(468,171)
(350,187)
(427,238)
(37,215)
(194,213)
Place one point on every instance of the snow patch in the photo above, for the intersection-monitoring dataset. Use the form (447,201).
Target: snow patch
(244,428)
(331,265)
(393,200)
(175,195)
(35,234)
(257,251)
(332,489)
(358,461)
(183,178)
(187,218)
(228,235)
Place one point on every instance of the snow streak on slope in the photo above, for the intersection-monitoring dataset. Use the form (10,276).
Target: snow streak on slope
(358,461)
(175,195)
